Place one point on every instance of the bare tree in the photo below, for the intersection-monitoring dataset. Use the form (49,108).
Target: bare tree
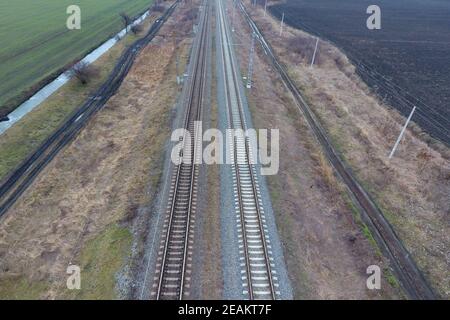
(84,72)
(157,8)
(190,15)
(136,29)
(126,20)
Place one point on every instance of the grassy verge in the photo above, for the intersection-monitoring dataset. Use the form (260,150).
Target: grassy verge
(212,282)
(302,286)
(101,258)
(21,289)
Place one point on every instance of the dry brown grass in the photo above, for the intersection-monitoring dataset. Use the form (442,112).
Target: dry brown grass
(412,188)
(325,170)
(212,280)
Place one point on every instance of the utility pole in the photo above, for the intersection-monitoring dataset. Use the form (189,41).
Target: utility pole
(315,51)
(281,25)
(250,63)
(401,133)
(232,15)
(265,8)
(176,66)
(176,40)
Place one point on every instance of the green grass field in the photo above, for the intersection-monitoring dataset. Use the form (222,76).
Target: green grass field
(36,42)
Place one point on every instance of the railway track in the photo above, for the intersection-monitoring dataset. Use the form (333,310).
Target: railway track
(173,267)
(405,268)
(17,182)
(258,276)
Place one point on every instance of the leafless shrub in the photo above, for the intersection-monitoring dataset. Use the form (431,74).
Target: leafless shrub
(325,98)
(423,157)
(340,62)
(136,29)
(328,180)
(84,72)
(388,128)
(267,26)
(301,46)
(190,15)
(158,8)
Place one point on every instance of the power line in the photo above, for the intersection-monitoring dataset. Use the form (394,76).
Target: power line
(403,101)
(405,91)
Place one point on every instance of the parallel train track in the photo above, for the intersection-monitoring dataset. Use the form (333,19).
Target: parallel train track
(172,275)
(258,274)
